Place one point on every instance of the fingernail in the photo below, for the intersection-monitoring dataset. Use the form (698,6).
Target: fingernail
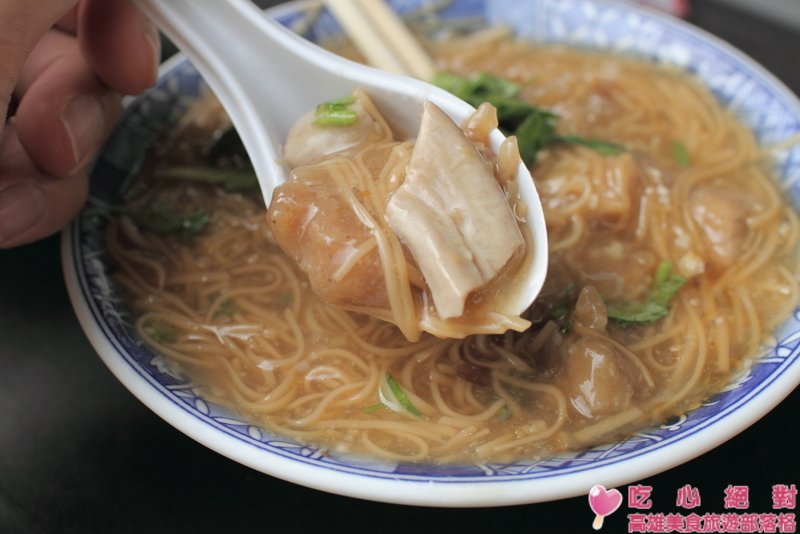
(84,121)
(21,206)
(153,39)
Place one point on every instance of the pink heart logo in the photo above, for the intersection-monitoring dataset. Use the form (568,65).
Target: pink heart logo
(603,502)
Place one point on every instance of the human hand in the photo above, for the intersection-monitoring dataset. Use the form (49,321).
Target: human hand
(63,67)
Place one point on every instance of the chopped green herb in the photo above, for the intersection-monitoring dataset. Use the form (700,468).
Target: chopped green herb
(681,154)
(335,118)
(478,88)
(644,312)
(535,133)
(162,219)
(157,218)
(284,300)
(606,148)
(656,305)
(565,303)
(401,397)
(563,314)
(337,103)
(374,407)
(666,284)
(559,312)
(228,179)
(192,225)
(160,332)
(504,414)
(336,112)
(534,127)
(226,309)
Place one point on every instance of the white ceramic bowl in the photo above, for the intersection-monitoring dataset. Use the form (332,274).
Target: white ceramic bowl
(755,96)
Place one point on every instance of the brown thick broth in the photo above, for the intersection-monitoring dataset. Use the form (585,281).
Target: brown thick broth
(313,373)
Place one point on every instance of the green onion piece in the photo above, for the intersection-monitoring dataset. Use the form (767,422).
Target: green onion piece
(337,103)
(374,407)
(681,154)
(401,396)
(229,179)
(656,306)
(343,117)
(336,112)
(606,148)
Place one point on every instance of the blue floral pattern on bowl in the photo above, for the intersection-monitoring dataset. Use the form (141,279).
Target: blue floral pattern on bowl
(757,98)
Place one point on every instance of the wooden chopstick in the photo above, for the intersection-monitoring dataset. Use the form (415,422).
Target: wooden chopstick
(406,47)
(381,37)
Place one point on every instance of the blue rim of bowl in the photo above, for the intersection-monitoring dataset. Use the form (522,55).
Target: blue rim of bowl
(454,485)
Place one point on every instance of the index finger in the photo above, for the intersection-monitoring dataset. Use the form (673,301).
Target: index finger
(120,44)
(22,24)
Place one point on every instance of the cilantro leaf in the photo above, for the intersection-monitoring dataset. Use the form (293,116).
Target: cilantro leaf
(606,148)
(534,127)
(476,89)
(565,303)
(162,219)
(666,284)
(644,312)
(158,219)
(192,225)
(656,306)
(229,179)
(535,133)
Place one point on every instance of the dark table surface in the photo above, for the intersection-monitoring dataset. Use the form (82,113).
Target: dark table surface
(78,453)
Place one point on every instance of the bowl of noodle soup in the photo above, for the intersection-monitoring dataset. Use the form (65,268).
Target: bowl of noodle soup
(744,340)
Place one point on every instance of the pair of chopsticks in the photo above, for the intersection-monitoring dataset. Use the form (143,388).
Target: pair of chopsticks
(382,38)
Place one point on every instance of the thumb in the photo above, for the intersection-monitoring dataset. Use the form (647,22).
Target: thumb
(22,24)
